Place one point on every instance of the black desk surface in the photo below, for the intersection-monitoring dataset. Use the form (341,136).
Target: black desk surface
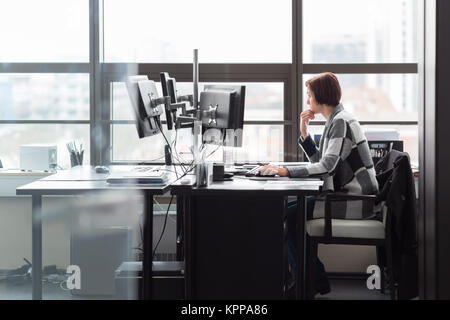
(246,186)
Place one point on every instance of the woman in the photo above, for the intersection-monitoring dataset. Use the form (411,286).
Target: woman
(342,159)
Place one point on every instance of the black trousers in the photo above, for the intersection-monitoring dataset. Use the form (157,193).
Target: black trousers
(321,276)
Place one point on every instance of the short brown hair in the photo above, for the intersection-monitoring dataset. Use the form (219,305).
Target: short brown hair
(326,89)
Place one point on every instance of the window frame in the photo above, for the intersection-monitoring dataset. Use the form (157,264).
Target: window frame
(349,68)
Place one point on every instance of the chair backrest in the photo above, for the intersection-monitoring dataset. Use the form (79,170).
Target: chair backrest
(1,165)
(385,170)
(387,162)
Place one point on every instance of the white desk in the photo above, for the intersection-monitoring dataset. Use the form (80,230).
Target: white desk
(12,179)
(80,180)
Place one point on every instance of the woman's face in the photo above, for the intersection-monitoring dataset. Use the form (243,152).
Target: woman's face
(311,102)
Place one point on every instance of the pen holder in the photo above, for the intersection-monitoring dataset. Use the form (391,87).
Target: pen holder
(76,159)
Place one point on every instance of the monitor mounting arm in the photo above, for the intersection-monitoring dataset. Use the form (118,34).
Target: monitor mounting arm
(211,113)
(188,116)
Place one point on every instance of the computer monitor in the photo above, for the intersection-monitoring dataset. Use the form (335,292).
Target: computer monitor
(169,89)
(141,91)
(227,103)
(230,102)
(168,86)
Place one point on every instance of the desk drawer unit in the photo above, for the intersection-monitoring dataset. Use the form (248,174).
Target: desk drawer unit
(237,247)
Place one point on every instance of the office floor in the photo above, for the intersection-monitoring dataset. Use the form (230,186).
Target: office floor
(49,291)
(346,289)
(341,289)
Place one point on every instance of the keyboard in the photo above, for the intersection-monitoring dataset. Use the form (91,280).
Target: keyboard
(256,173)
(146,168)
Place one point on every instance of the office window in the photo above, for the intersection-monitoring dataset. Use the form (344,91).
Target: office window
(233,31)
(126,145)
(407,133)
(44,31)
(355,31)
(376,61)
(261,143)
(379,41)
(55,134)
(380,97)
(264,101)
(44,96)
(121,108)
(44,76)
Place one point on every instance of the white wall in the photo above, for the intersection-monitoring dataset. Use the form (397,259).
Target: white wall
(15,234)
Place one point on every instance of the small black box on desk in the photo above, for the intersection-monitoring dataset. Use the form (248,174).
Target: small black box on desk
(167,280)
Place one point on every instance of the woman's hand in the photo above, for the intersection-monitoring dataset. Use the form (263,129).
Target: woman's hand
(269,170)
(305,117)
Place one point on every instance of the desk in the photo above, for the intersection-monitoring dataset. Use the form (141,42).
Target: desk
(234,238)
(80,180)
(10,179)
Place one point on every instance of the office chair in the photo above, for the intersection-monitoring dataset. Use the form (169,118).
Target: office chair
(1,165)
(354,232)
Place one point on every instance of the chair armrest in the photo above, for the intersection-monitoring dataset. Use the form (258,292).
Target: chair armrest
(335,197)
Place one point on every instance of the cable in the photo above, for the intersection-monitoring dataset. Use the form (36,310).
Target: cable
(166,170)
(141,232)
(193,167)
(61,285)
(220,145)
(162,209)
(174,143)
(176,156)
(167,141)
(182,161)
(164,228)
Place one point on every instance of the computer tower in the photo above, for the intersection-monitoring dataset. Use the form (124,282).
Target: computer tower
(167,280)
(98,252)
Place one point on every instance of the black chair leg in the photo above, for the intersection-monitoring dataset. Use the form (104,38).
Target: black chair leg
(311,272)
(390,268)
(382,264)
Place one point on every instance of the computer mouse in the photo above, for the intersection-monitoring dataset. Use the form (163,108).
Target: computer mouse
(101,169)
(185,181)
(259,174)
